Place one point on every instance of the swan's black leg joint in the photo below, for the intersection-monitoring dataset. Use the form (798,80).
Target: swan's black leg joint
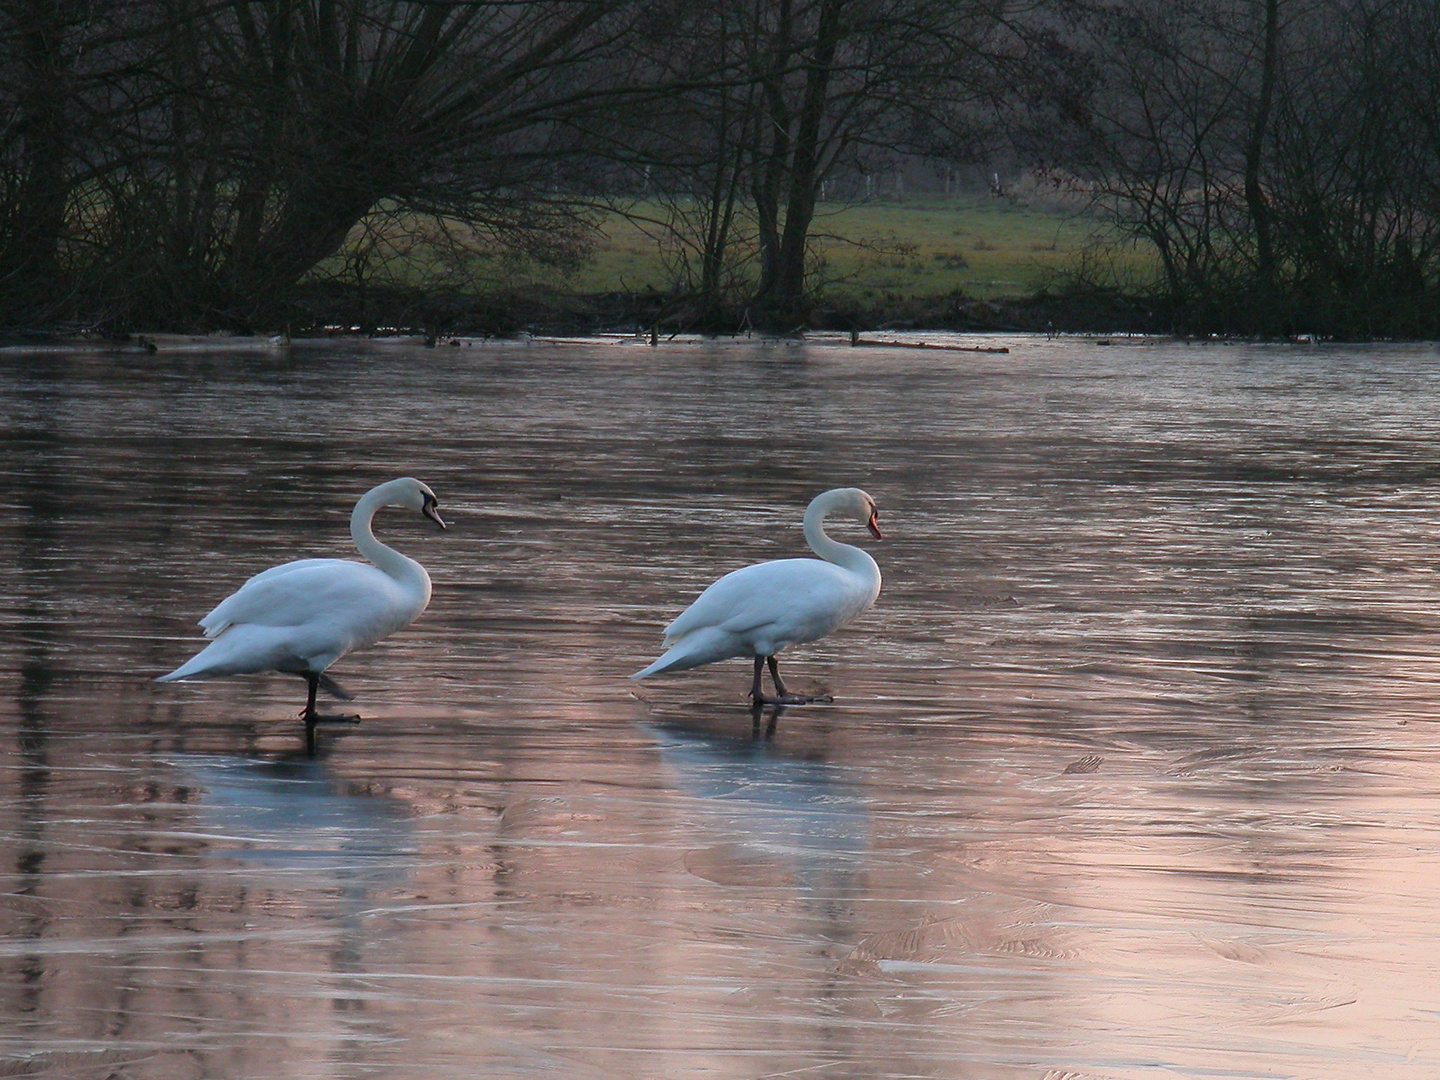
(758,696)
(313,680)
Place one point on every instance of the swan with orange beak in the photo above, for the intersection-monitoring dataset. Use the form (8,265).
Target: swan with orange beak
(758,610)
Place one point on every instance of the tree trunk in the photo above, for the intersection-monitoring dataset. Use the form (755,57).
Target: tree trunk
(30,257)
(1255,200)
(788,300)
(723,196)
(312,226)
(769,174)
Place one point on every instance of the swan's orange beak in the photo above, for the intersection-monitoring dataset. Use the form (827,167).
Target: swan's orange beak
(874,525)
(433,513)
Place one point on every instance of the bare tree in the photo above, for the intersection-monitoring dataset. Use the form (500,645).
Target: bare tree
(450,109)
(231,145)
(845,82)
(1272,153)
(794,93)
(52,54)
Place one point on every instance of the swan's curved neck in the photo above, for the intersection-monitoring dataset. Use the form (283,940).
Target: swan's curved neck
(846,555)
(400,567)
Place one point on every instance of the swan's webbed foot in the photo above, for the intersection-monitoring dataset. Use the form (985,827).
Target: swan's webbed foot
(782,696)
(312,718)
(790,699)
(309,713)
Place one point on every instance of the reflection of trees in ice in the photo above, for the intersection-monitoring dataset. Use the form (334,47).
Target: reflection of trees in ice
(769,808)
(293,817)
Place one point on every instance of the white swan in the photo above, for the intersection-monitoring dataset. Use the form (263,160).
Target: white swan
(302,616)
(758,610)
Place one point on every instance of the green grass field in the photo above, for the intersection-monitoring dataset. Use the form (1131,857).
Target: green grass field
(924,246)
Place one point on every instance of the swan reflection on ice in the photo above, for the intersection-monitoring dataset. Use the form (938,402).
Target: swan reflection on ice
(768,807)
(294,817)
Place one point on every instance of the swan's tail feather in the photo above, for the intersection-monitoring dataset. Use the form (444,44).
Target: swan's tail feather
(242,650)
(653,669)
(703,646)
(214,661)
(191,669)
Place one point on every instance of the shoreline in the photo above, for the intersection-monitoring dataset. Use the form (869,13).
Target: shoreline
(981,343)
(657,319)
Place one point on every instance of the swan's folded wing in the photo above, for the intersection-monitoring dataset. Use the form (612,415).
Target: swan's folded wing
(296,566)
(296,592)
(754,597)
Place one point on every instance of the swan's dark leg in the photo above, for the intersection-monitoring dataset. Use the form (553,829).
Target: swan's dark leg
(333,688)
(781,697)
(309,715)
(775,674)
(313,679)
(756,694)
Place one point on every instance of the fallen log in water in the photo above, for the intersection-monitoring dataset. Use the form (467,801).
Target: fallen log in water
(932,345)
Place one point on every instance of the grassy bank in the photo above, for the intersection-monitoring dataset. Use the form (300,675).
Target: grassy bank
(929,246)
(964,261)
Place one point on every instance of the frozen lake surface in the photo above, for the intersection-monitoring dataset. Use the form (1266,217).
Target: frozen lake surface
(1132,772)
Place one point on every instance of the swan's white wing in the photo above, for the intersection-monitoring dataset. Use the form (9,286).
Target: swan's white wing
(292,567)
(301,617)
(760,609)
(236,607)
(338,592)
(788,600)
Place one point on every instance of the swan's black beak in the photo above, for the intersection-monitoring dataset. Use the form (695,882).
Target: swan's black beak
(432,511)
(874,525)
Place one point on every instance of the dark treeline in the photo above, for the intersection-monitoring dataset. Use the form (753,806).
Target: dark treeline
(189,162)
(1280,158)
(248,164)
